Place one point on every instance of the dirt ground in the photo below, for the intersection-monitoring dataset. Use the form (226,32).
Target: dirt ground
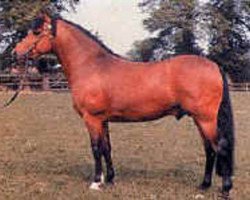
(45,154)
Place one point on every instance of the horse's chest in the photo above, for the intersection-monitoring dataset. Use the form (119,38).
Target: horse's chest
(92,100)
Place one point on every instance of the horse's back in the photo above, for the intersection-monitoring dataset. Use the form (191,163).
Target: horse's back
(190,71)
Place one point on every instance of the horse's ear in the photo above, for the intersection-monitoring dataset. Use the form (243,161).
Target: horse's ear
(45,13)
(47,19)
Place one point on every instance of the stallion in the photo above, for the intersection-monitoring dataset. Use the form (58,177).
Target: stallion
(108,88)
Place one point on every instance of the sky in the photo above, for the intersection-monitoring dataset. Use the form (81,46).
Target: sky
(118,22)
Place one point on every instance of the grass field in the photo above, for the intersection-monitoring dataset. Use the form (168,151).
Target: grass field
(45,154)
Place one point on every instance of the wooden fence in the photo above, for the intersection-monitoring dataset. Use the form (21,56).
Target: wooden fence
(58,83)
(34,82)
(244,87)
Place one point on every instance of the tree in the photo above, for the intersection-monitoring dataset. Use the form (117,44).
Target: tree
(230,44)
(179,27)
(172,23)
(15,17)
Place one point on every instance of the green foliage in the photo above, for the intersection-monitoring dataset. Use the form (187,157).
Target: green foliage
(172,23)
(15,17)
(174,26)
(16,14)
(170,13)
(230,45)
(142,50)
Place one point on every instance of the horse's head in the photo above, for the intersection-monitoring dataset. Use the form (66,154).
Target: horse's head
(38,40)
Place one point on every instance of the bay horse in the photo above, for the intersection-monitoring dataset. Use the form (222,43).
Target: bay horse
(107,88)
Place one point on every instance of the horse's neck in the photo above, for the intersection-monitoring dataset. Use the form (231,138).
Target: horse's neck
(77,52)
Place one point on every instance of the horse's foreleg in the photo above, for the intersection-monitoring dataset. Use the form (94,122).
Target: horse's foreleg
(96,132)
(106,146)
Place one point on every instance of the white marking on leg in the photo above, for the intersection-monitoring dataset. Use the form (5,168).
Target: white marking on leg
(95,186)
(102,178)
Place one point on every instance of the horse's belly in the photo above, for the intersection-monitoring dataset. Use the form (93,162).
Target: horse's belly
(142,112)
(142,102)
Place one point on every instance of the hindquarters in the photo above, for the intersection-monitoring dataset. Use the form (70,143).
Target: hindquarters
(199,91)
(218,135)
(205,95)
(202,91)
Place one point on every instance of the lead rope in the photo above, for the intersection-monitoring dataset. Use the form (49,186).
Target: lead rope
(21,87)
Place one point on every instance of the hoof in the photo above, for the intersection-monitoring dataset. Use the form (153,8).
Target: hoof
(110,184)
(224,196)
(204,186)
(96,186)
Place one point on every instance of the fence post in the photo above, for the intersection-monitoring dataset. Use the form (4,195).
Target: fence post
(24,81)
(46,86)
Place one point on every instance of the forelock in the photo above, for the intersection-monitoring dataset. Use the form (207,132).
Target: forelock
(37,23)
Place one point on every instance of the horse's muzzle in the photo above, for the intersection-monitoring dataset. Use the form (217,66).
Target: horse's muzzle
(17,58)
(13,56)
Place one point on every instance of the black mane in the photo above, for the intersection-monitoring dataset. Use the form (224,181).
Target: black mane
(89,34)
(39,21)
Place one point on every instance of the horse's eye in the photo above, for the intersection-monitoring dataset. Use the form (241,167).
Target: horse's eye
(36,32)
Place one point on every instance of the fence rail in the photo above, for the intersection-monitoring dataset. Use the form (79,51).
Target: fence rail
(245,87)
(34,82)
(58,83)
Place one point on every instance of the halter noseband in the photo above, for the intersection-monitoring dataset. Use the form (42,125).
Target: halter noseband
(51,28)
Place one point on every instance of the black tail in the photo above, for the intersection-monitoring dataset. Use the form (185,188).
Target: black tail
(225,128)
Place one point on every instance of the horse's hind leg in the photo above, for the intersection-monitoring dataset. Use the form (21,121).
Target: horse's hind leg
(208,131)
(210,161)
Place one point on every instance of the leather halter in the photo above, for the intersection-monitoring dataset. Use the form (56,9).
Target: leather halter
(52,29)
(40,36)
